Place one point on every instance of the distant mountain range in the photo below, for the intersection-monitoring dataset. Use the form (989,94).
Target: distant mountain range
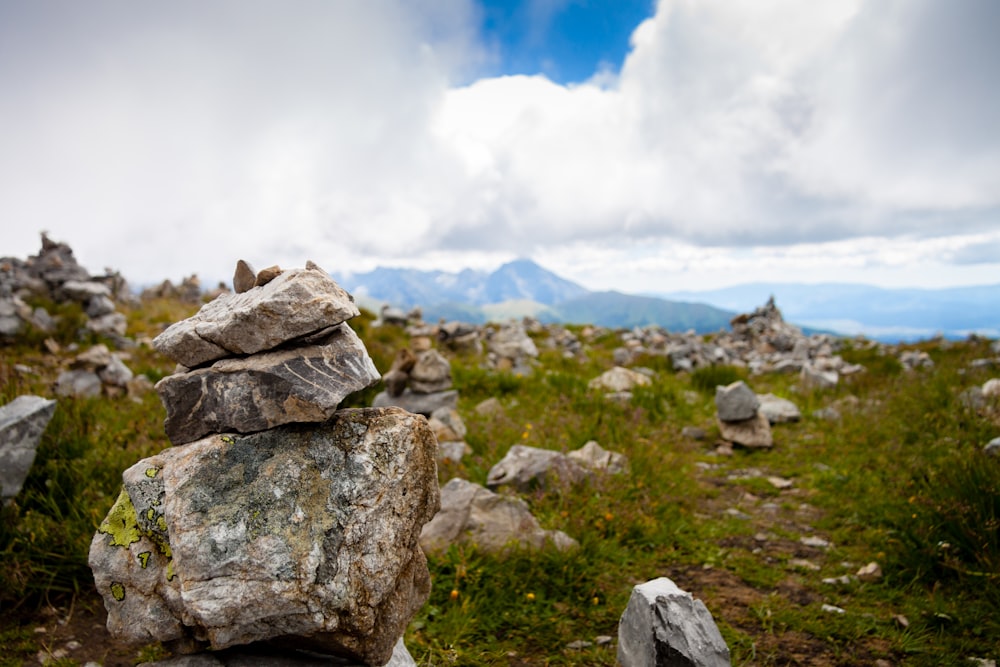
(877,312)
(522,287)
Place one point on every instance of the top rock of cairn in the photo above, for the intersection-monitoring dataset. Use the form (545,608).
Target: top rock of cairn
(278,307)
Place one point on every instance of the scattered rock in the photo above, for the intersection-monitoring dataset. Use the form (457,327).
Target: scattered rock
(778,410)
(736,402)
(595,457)
(619,379)
(664,625)
(526,468)
(22,423)
(992,447)
(472,514)
(870,572)
(814,378)
(421,404)
(78,383)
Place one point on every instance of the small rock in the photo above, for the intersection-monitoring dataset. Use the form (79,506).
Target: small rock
(992,447)
(778,410)
(694,432)
(814,541)
(842,580)
(264,276)
(579,645)
(619,379)
(780,482)
(603,640)
(244,277)
(78,383)
(901,621)
(736,402)
(832,609)
(803,564)
(870,572)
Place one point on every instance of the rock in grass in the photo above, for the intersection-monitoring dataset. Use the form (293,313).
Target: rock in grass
(248,394)
(22,422)
(296,303)
(754,433)
(301,534)
(778,410)
(619,379)
(472,514)
(665,626)
(736,402)
(526,468)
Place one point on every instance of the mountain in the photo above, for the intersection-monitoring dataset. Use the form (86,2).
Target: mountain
(883,313)
(523,288)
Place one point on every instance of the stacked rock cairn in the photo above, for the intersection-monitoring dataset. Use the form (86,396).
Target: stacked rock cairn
(275,517)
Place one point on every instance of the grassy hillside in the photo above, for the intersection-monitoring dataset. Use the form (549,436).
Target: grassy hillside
(899,479)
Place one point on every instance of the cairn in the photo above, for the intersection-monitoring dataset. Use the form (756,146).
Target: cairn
(275,518)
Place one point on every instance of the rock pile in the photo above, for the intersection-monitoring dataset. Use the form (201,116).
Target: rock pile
(99,369)
(418,382)
(55,275)
(510,348)
(280,519)
(739,417)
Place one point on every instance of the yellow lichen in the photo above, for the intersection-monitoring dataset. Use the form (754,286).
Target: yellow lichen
(118,590)
(144,559)
(121,523)
(151,472)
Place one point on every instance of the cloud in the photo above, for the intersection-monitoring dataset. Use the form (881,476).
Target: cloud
(167,139)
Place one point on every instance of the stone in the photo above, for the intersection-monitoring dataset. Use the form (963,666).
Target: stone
(663,625)
(100,305)
(452,450)
(778,410)
(22,423)
(526,468)
(512,342)
(619,379)
(421,404)
(264,276)
(753,433)
(244,277)
(94,358)
(430,374)
(296,303)
(79,383)
(263,655)
(450,422)
(736,402)
(10,322)
(870,572)
(595,457)
(490,407)
(248,394)
(992,447)
(813,378)
(115,373)
(471,514)
(694,432)
(83,291)
(991,388)
(307,534)
(112,325)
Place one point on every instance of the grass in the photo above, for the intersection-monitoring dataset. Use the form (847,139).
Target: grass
(899,479)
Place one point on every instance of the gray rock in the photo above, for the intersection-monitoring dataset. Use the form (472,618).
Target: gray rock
(447,424)
(296,303)
(84,291)
(754,433)
(304,533)
(11,323)
(992,447)
(421,404)
(527,468)
(778,410)
(491,407)
(813,378)
(736,402)
(452,450)
(112,324)
(115,373)
(262,655)
(430,374)
(472,514)
(665,626)
(513,343)
(248,394)
(100,305)
(22,422)
(79,383)
(595,457)
(694,432)
(619,379)
(96,357)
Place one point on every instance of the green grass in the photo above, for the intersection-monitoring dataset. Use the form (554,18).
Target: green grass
(899,479)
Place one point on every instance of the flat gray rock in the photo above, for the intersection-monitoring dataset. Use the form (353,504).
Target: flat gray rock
(526,468)
(421,404)
(664,626)
(430,374)
(752,433)
(472,514)
(778,410)
(22,422)
(249,394)
(307,533)
(296,303)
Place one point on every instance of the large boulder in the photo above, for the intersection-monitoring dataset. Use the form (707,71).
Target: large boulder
(246,394)
(665,626)
(306,535)
(471,514)
(296,303)
(22,422)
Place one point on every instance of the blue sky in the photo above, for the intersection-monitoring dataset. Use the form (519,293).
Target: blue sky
(646,147)
(565,40)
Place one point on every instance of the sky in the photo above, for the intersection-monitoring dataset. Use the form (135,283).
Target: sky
(639,146)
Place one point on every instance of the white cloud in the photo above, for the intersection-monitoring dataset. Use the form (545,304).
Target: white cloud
(170,139)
